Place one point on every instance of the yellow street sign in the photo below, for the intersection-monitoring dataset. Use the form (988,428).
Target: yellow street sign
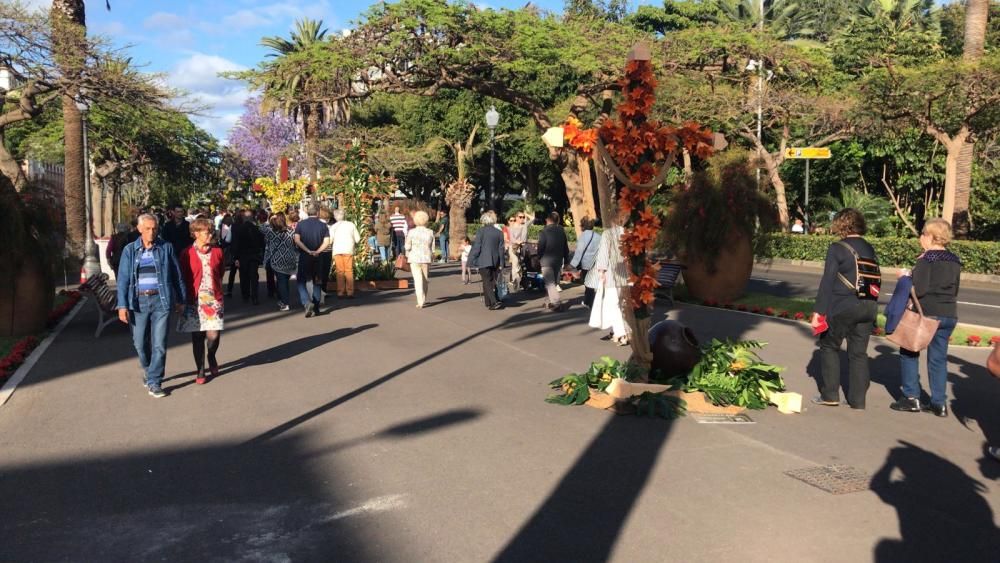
(807,152)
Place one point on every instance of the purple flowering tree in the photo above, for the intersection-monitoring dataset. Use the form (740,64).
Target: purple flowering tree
(259,140)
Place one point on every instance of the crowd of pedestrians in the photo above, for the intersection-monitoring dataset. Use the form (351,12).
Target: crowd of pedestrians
(181,268)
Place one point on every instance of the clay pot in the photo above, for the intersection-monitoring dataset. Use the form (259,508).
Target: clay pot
(675,348)
(733,267)
(25,298)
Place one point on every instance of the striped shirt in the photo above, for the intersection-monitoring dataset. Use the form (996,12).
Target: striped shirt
(398,221)
(146,275)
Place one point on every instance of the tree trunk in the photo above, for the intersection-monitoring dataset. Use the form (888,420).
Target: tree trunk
(961,221)
(587,185)
(780,199)
(310,133)
(69,32)
(974,42)
(10,167)
(73,179)
(954,149)
(531,192)
(570,173)
(457,231)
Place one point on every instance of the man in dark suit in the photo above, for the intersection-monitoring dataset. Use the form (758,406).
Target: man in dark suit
(487,254)
(553,251)
(248,252)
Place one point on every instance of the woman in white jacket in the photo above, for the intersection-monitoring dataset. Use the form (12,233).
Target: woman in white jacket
(609,277)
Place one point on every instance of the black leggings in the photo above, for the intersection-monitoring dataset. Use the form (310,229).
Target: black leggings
(198,340)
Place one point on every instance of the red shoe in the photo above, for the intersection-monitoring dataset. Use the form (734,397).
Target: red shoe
(201,380)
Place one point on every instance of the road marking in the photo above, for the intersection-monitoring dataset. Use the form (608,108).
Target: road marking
(969,303)
(377,504)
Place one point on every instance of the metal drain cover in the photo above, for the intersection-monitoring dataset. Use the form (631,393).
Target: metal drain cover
(834,479)
(715,418)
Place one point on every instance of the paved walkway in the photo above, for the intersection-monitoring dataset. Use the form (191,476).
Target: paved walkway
(380,432)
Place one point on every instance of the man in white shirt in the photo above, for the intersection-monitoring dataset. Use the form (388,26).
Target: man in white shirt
(344,236)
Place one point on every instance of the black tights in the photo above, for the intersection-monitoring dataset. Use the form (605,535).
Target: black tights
(198,345)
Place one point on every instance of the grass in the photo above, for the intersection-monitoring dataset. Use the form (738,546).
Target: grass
(805,306)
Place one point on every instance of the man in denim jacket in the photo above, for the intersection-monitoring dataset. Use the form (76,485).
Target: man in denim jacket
(149,285)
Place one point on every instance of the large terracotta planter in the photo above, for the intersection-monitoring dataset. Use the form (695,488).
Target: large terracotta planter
(26,296)
(728,281)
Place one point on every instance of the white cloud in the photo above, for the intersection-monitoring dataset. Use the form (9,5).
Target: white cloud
(276,13)
(164,20)
(198,76)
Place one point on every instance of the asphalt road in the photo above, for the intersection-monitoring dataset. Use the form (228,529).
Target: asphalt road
(979,303)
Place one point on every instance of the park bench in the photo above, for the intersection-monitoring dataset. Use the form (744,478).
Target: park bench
(667,278)
(104,298)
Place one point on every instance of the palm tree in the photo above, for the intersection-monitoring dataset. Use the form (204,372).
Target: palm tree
(918,14)
(294,87)
(784,18)
(69,37)
(976,15)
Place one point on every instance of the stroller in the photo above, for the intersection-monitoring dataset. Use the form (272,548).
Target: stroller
(531,267)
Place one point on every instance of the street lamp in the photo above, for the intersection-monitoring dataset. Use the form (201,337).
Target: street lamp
(492,119)
(91,262)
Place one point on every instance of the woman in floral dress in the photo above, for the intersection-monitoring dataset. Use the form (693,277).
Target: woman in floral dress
(201,267)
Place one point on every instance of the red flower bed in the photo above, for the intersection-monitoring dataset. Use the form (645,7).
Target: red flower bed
(19,353)
(783,314)
(878,331)
(741,307)
(973,340)
(800,316)
(16,357)
(995,340)
(769,311)
(72,297)
(755,309)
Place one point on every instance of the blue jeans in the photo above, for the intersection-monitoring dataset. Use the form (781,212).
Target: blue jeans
(383,251)
(283,286)
(937,365)
(443,245)
(307,286)
(149,336)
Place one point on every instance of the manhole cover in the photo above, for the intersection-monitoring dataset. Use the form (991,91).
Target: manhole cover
(834,479)
(715,418)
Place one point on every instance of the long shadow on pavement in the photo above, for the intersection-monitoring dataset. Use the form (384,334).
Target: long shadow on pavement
(943,515)
(226,502)
(583,517)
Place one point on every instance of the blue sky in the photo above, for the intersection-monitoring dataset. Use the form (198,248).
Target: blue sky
(192,41)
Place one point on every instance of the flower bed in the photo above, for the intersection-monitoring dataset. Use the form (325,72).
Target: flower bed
(20,349)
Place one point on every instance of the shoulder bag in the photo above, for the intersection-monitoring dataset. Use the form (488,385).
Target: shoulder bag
(402,263)
(914,331)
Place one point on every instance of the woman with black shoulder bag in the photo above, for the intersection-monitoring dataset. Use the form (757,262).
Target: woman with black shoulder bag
(846,307)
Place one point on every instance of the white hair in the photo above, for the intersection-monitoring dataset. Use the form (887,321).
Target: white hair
(338,214)
(488,218)
(147,217)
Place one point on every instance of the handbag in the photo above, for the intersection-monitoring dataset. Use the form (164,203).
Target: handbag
(914,331)
(502,290)
(402,263)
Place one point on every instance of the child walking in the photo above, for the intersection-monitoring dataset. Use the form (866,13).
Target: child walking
(466,248)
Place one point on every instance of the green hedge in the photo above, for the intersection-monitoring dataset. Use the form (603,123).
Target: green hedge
(977,257)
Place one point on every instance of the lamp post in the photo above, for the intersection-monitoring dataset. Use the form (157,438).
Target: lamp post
(492,119)
(91,262)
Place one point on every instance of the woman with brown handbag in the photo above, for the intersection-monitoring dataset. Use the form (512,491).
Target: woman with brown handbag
(935,284)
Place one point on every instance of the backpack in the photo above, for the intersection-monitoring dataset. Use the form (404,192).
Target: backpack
(867,275)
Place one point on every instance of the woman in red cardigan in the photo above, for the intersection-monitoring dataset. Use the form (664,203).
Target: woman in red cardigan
(201,267)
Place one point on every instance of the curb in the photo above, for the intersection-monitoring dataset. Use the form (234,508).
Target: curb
(982,278)
(777,318)
(22,371)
